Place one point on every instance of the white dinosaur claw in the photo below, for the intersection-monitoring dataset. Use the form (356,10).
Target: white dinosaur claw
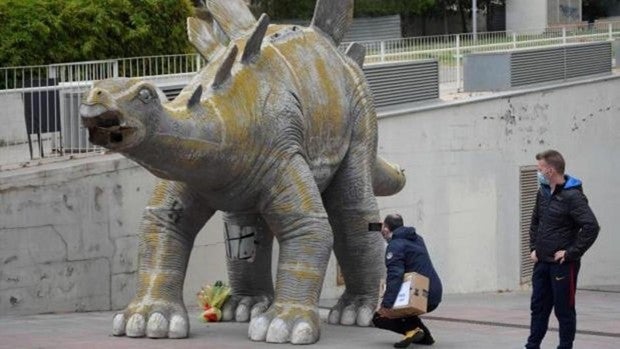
(242,314)
(258,328)
(179,327)
(304,333)
(118,325)
(278,332)
(228,311)
(364,316)
(157,326)
(259,308)
(349,315)
(352,311)
(334,316)
(136,326)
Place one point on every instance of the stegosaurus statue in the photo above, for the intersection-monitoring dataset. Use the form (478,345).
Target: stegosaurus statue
(279,132)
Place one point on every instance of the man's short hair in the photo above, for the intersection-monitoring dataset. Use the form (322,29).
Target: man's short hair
(393,221)
(554,159)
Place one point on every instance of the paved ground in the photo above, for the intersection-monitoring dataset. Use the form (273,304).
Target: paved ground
(481,321)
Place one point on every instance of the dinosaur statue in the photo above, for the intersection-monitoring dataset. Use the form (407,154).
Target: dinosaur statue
(279,132)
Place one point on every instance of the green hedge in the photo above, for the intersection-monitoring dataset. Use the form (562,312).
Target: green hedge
(53,31)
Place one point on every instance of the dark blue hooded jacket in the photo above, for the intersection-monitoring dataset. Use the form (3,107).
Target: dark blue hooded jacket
(406,252)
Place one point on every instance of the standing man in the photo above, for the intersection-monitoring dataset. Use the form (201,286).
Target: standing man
(563,228)
(406,252)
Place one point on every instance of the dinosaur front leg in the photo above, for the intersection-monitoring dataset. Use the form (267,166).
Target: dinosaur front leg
(294,211)
(250,280)
(172,219)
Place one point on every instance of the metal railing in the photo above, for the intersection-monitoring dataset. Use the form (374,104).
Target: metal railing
(449,49)
(46,98)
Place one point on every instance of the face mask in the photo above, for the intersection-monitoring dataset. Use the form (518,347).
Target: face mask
(542,179)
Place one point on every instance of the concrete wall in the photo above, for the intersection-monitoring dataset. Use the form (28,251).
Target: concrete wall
(67,230)
(526,15)
(463,163)
(68,238)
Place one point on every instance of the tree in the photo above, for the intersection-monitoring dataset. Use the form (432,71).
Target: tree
(53,31)
(303,9)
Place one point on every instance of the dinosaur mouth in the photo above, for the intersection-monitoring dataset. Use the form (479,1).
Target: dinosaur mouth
(105,127)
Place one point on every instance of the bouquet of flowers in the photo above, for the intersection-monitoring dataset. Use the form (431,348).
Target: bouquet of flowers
(211,298)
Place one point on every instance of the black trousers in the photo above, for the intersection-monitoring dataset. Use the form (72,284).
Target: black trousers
(402,325)
(553,287)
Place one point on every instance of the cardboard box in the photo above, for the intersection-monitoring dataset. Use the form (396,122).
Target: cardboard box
(412,298)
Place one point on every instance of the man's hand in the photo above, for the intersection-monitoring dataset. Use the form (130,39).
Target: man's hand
(560,256)
(533,256)
(385,312)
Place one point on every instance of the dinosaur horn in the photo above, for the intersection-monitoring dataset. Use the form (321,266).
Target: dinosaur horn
(195,98)
(252,47)
(202,38)
(333,18)
(357,52)
(233,16)
(223,72)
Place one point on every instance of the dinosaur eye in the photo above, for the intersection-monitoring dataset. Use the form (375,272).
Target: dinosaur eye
(145,95)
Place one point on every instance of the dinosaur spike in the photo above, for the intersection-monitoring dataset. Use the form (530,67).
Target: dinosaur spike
(202,38)
(195,98)
(252,47)
(216,30)
(223,73)
(333,17)
(233,16)
(357,52)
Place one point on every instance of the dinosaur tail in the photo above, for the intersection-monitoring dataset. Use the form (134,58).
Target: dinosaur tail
(388,179)
(333,17)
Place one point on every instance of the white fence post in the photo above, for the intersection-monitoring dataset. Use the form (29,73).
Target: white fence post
(564,35)
(198,62)
(115,68)
(610,29)
(382,51)
(514,40)
(458,62)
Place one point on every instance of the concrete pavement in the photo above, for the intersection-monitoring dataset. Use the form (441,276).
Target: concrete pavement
(481,321)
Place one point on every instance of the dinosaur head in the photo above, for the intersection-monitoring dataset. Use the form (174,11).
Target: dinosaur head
(121,113)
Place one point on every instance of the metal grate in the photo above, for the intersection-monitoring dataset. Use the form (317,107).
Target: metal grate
(543,65)
(588,59)
(528,187)
(374,28)
(536,66)
(408,82)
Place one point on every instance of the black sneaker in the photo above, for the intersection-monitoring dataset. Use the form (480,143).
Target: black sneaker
(427,340)
(412,336)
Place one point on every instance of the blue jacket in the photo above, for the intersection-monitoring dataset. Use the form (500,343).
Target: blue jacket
(406,252)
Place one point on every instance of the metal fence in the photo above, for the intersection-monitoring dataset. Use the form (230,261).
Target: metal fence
(450,49)
(39,104)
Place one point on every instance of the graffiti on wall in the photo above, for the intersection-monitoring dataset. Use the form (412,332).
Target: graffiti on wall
(570,12)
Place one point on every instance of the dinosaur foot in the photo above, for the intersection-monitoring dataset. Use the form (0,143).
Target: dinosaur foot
(286,323)
(244,308)
(154,319)
(352,310)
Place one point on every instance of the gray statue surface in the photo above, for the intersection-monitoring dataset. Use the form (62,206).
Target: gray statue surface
(279,132)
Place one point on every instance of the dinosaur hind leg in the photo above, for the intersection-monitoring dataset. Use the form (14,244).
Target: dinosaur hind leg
(251,281)
(351,205)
